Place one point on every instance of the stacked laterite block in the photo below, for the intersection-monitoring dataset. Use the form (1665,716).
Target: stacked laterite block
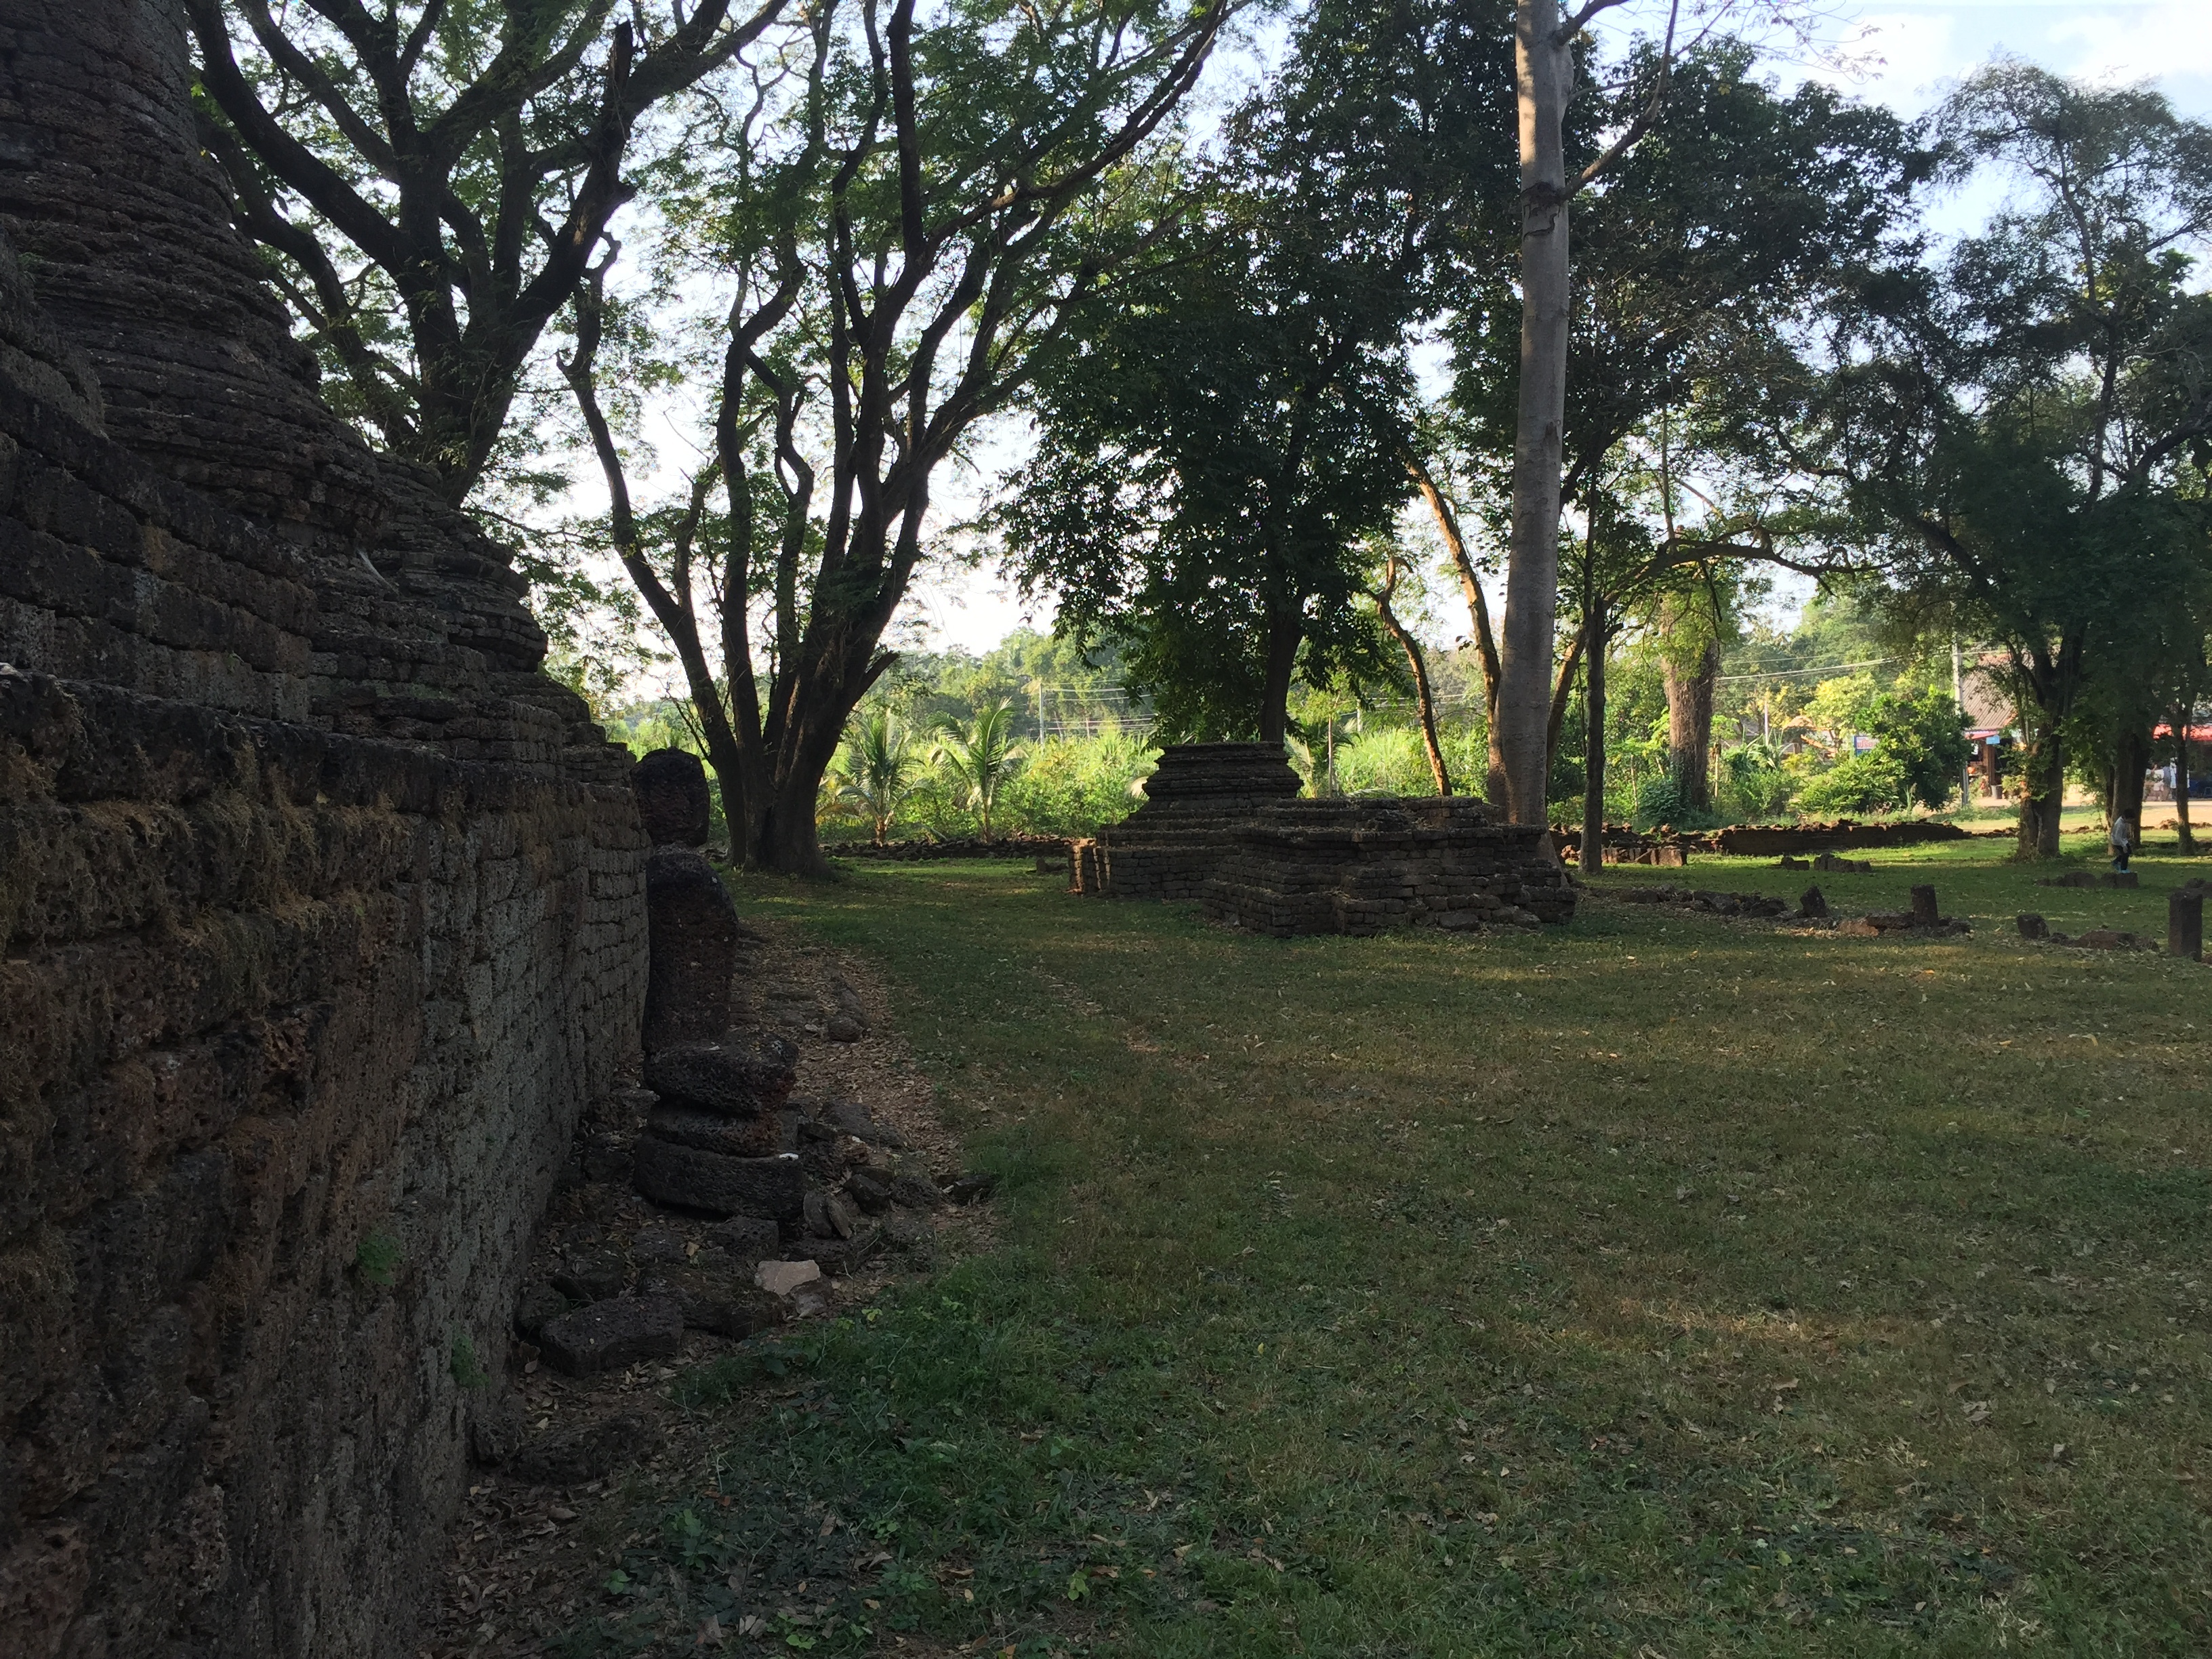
(1167,849)
(1362,867)
(321,921)
(1223,824)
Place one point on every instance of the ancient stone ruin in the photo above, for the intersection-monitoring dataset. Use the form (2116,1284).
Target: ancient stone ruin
(323,919)
(1223,823)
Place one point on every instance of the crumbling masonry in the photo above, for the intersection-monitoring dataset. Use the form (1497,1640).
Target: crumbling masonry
(322,913)
(1222,824)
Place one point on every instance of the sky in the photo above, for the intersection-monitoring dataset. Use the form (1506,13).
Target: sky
(1899,52)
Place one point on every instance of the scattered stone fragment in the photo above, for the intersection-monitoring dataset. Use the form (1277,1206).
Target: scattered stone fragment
(720,1301)
(1788,863)
(1828,863)
(774,1187)
(711,1132)
(841,1027)
(837,1255)
(495,1429)
(670,786)
(738,1080)
(608,1335)
(917,1192)
(843,1215)
(855,1120)
(1812,904)
(2070,879)
(909,1234)
(748,1239)
(592,1274)
(2120,879)
(535,1306)
(587,1451)
(816,1215)
(970,1186)
(2106,938)
(782,1278)
(871,1189)
(1857,927)
(1925,912)
(2032,926)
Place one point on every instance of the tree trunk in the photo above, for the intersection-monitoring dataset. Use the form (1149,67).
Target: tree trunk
(1478,611)
(1593,754)
(1556,722)
(1690,726)
(2049,684)
(2130,760)
(1423,699)
(1284,634)
(1542,80)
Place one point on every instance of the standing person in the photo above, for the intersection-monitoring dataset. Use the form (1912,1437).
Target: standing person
(2123,838)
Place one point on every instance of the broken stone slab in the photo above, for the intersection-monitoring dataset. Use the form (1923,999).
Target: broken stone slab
(609,1335)
(2120,879)
(871,1189)
(2107,939)
(838,1257)
(917,1192)
(1925,911)
(691,949)
(1829,863)
(774,1189)
(747,1239)
(710,1131)
(720,1301)
(909,1234)
(2032,926)
(1812,904)
(673,804)
(970,1187)
(735,1079)
(782,1278)
(853,1119)
(592,1274)
(2070,879)
(587,1451)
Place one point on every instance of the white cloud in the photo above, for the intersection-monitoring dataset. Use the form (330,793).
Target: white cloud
(2136,43)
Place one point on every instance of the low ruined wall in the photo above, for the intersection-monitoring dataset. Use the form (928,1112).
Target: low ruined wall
(1223,825)
(1364,866)
(321,921)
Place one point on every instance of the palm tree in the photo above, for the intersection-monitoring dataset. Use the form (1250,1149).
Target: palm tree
(982,756)
(874,767)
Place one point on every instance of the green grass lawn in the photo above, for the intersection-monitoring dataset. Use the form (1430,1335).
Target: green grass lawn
(1656,1285)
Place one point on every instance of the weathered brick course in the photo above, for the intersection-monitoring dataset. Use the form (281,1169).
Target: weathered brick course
(321,919)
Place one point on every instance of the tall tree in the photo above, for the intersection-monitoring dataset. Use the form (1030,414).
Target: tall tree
(1220,444)
(1543,83)
(2026,430)
(1703,249)
(431,180)
(902,221)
